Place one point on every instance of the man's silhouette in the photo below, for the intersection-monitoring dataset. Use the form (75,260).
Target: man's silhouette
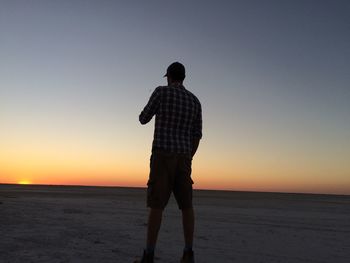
(178,130)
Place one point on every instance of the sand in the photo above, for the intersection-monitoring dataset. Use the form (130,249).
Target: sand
(103,224)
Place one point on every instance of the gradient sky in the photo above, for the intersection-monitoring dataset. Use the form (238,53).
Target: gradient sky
(273,78)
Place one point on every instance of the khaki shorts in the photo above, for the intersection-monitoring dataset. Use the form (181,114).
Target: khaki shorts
(170,172)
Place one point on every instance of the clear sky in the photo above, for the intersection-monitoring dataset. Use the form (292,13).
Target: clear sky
(273,78)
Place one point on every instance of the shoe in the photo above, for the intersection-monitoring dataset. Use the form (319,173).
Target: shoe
(188,257)
(146,258)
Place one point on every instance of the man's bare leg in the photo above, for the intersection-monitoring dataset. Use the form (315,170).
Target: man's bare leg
(188,226)
(154,222)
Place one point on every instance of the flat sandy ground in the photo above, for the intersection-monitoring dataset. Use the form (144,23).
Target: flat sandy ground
(101,224)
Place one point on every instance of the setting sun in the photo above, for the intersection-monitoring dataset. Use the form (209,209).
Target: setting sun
(24,182)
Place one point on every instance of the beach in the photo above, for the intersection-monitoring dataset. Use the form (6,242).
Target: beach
(41,223)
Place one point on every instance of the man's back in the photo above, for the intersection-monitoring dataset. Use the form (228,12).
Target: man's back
(178,118)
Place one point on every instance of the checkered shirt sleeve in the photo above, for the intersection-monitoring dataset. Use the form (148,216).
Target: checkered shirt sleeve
(151,107)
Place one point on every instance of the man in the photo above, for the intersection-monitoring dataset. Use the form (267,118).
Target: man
(178,130)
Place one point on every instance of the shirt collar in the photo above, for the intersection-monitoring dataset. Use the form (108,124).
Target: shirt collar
(177,86)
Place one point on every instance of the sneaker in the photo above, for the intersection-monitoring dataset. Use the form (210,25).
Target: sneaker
(188,257)
(146,258)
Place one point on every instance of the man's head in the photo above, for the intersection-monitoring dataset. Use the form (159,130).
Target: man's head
(175,73)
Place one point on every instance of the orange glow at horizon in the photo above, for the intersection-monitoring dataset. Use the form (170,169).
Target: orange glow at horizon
(201,181)
(24,182)
(61,164)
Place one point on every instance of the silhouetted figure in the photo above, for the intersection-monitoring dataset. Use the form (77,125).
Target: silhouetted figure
(178,130)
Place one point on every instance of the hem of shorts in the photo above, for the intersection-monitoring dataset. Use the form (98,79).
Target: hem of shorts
(157,149)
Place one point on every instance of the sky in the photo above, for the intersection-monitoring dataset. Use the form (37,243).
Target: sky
(272,76)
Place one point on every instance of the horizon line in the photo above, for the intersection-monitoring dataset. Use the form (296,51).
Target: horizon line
(197,189)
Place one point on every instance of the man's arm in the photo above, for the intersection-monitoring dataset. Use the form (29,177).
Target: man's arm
(151,107)
(195,144)
(197,131)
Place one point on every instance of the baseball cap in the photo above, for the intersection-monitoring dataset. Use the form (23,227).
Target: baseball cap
(176,71)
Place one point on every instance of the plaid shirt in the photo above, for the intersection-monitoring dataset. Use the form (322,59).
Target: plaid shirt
(178,118)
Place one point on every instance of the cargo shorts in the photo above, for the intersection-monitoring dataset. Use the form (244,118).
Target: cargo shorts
(169,173)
